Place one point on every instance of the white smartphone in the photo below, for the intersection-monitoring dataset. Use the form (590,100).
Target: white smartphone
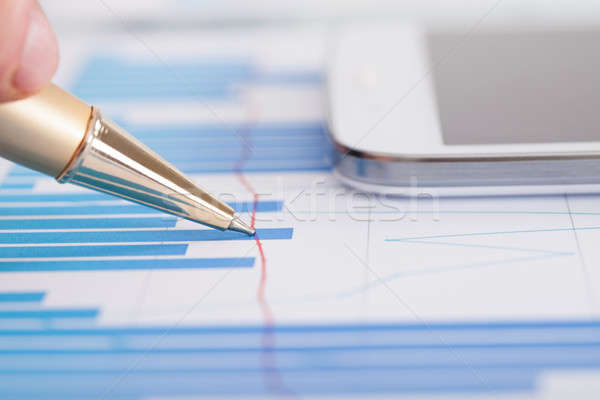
(490,111)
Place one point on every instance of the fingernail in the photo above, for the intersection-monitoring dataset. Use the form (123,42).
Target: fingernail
(40,55)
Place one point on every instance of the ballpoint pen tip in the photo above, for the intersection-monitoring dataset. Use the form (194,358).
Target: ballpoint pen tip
(240,226)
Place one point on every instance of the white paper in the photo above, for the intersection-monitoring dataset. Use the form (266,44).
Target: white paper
(369,297)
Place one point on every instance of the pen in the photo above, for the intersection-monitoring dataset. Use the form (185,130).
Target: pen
(55,133)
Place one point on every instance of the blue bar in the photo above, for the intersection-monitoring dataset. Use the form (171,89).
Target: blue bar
(206,131)
(100,92)
(17,185)
(490,327)
(210,87)
(20,179)
(255,169)
(201,74)
(341,371)
(28,173)
(301,78)
(129,74)
(48,197)
(17,297)
(236,142)
(183,235)
(94,251)
(113,69)
(255,166)
(193,152)
(128,70)
(77,210)
(25,174)
(299,159)
(87,223)
(242,207)
(190,383)
(125,265)
(315,358)
(229,347)
(50,313)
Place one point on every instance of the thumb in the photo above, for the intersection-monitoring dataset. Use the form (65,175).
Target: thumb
(28,49)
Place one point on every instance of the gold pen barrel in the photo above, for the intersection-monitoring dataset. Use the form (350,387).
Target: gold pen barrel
(43,132)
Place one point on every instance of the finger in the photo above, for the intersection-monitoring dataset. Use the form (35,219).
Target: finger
(14,22)
(28,49)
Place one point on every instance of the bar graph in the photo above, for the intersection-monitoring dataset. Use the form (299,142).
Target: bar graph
(209,79)
(69,234)
(88,231)
(276,147)
(317,359)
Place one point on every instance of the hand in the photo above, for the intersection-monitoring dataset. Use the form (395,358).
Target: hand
(28,49)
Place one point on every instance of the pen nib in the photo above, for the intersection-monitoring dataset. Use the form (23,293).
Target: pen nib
(240,226)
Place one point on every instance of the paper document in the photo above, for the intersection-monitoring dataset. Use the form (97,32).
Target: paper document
(341,294)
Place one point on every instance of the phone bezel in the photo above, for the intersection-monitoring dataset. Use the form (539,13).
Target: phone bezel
(395,117)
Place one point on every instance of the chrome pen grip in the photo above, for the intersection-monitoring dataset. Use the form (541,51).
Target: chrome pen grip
(111,160)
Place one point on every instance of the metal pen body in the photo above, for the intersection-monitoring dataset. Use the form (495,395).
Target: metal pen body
(55,133)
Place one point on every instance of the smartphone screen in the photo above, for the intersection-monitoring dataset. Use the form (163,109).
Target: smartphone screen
(517,87)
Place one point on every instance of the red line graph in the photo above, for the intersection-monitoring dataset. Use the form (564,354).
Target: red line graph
(260,295)
(272,379)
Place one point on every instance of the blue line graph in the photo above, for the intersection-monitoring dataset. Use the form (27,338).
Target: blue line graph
(541,254)
(470,234)
(492,247)
(444,269)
